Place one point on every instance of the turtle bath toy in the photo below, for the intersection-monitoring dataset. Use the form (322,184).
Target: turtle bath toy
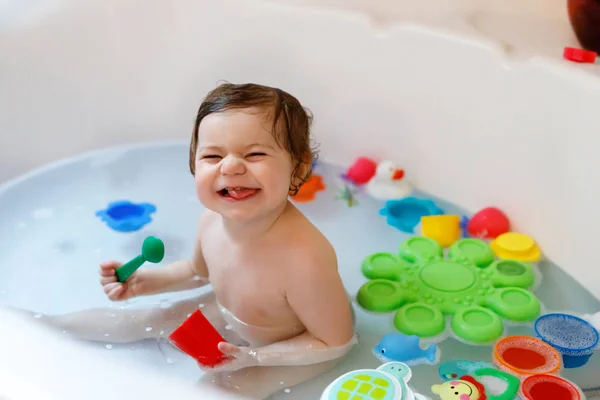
(388,382)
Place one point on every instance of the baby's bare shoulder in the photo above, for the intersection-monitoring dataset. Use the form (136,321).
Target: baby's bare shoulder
(206,221)
(308,246)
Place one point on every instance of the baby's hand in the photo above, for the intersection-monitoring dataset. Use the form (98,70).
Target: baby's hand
(115,290)
(237,358)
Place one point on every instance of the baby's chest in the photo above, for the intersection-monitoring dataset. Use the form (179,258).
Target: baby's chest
(244,271)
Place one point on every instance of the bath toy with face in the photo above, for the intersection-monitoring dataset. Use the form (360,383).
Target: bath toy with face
(388,183)
(402,348)
(388,382)
(465,388)
(424,286)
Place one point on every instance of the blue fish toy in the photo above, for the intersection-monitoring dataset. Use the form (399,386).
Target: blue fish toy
(403,348)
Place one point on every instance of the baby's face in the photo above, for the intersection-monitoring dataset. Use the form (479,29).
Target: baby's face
(241,172)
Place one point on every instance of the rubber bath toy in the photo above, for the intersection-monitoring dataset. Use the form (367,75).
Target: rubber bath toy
(389,183)
(361,171)
(516,246)
(388,382)
(124,216)
(546,387)
(427,289)
(199,339)
(523,356)
(308,191)
(444,229)
(455,368)
(465,388)
(488,223)
(347,194)
(402,348)
(574,338)
(405,214)
(496,381)
(153,250)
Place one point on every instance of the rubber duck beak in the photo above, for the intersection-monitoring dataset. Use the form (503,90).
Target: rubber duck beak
(398,174)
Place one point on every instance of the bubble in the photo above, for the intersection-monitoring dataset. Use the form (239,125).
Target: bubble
(189,315)
(281,383)
(164,304)
(148,329)
(161,333)
(288,390)
(37,316)
(228,327)
(170,361)
(109,346)
(571,334)
(200,305)
(42,213)
(495,386)
(106,335)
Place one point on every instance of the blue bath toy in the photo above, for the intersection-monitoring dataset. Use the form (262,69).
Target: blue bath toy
(573,337)
(405,214)
(124,216)
(464,222)
(456,368)
(402,348)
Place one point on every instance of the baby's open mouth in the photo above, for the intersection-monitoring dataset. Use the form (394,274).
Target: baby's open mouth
(237,193)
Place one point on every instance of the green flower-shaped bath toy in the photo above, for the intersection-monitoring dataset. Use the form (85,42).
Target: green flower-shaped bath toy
(469,285)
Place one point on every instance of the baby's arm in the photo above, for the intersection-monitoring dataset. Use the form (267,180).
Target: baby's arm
(317,295)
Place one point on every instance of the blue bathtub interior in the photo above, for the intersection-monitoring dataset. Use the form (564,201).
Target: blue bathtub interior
(52,242)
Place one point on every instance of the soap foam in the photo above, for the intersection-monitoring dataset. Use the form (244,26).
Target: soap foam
(570,335)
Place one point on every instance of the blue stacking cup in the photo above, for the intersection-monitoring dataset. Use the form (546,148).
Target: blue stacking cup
(573,337)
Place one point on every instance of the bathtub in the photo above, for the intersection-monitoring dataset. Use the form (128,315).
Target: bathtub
(470,121)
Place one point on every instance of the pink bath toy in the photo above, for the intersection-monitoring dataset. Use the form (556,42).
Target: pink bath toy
(361,171)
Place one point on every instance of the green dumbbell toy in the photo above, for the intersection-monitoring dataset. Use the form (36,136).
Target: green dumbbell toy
(153,250)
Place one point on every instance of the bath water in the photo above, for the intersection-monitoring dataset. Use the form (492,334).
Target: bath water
(52,243)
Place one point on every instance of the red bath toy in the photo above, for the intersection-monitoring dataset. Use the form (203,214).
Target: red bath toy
(199,339)
(488,223)
(544,387)
(361,171)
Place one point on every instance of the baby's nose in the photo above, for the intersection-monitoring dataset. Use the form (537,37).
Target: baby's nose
(232,165)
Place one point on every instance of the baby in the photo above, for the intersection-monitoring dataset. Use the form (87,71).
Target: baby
(274,275)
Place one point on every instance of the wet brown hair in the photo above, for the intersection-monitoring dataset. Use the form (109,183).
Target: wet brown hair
(291,122)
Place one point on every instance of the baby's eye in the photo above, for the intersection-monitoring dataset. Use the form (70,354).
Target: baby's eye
(214,156)
(256,154)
